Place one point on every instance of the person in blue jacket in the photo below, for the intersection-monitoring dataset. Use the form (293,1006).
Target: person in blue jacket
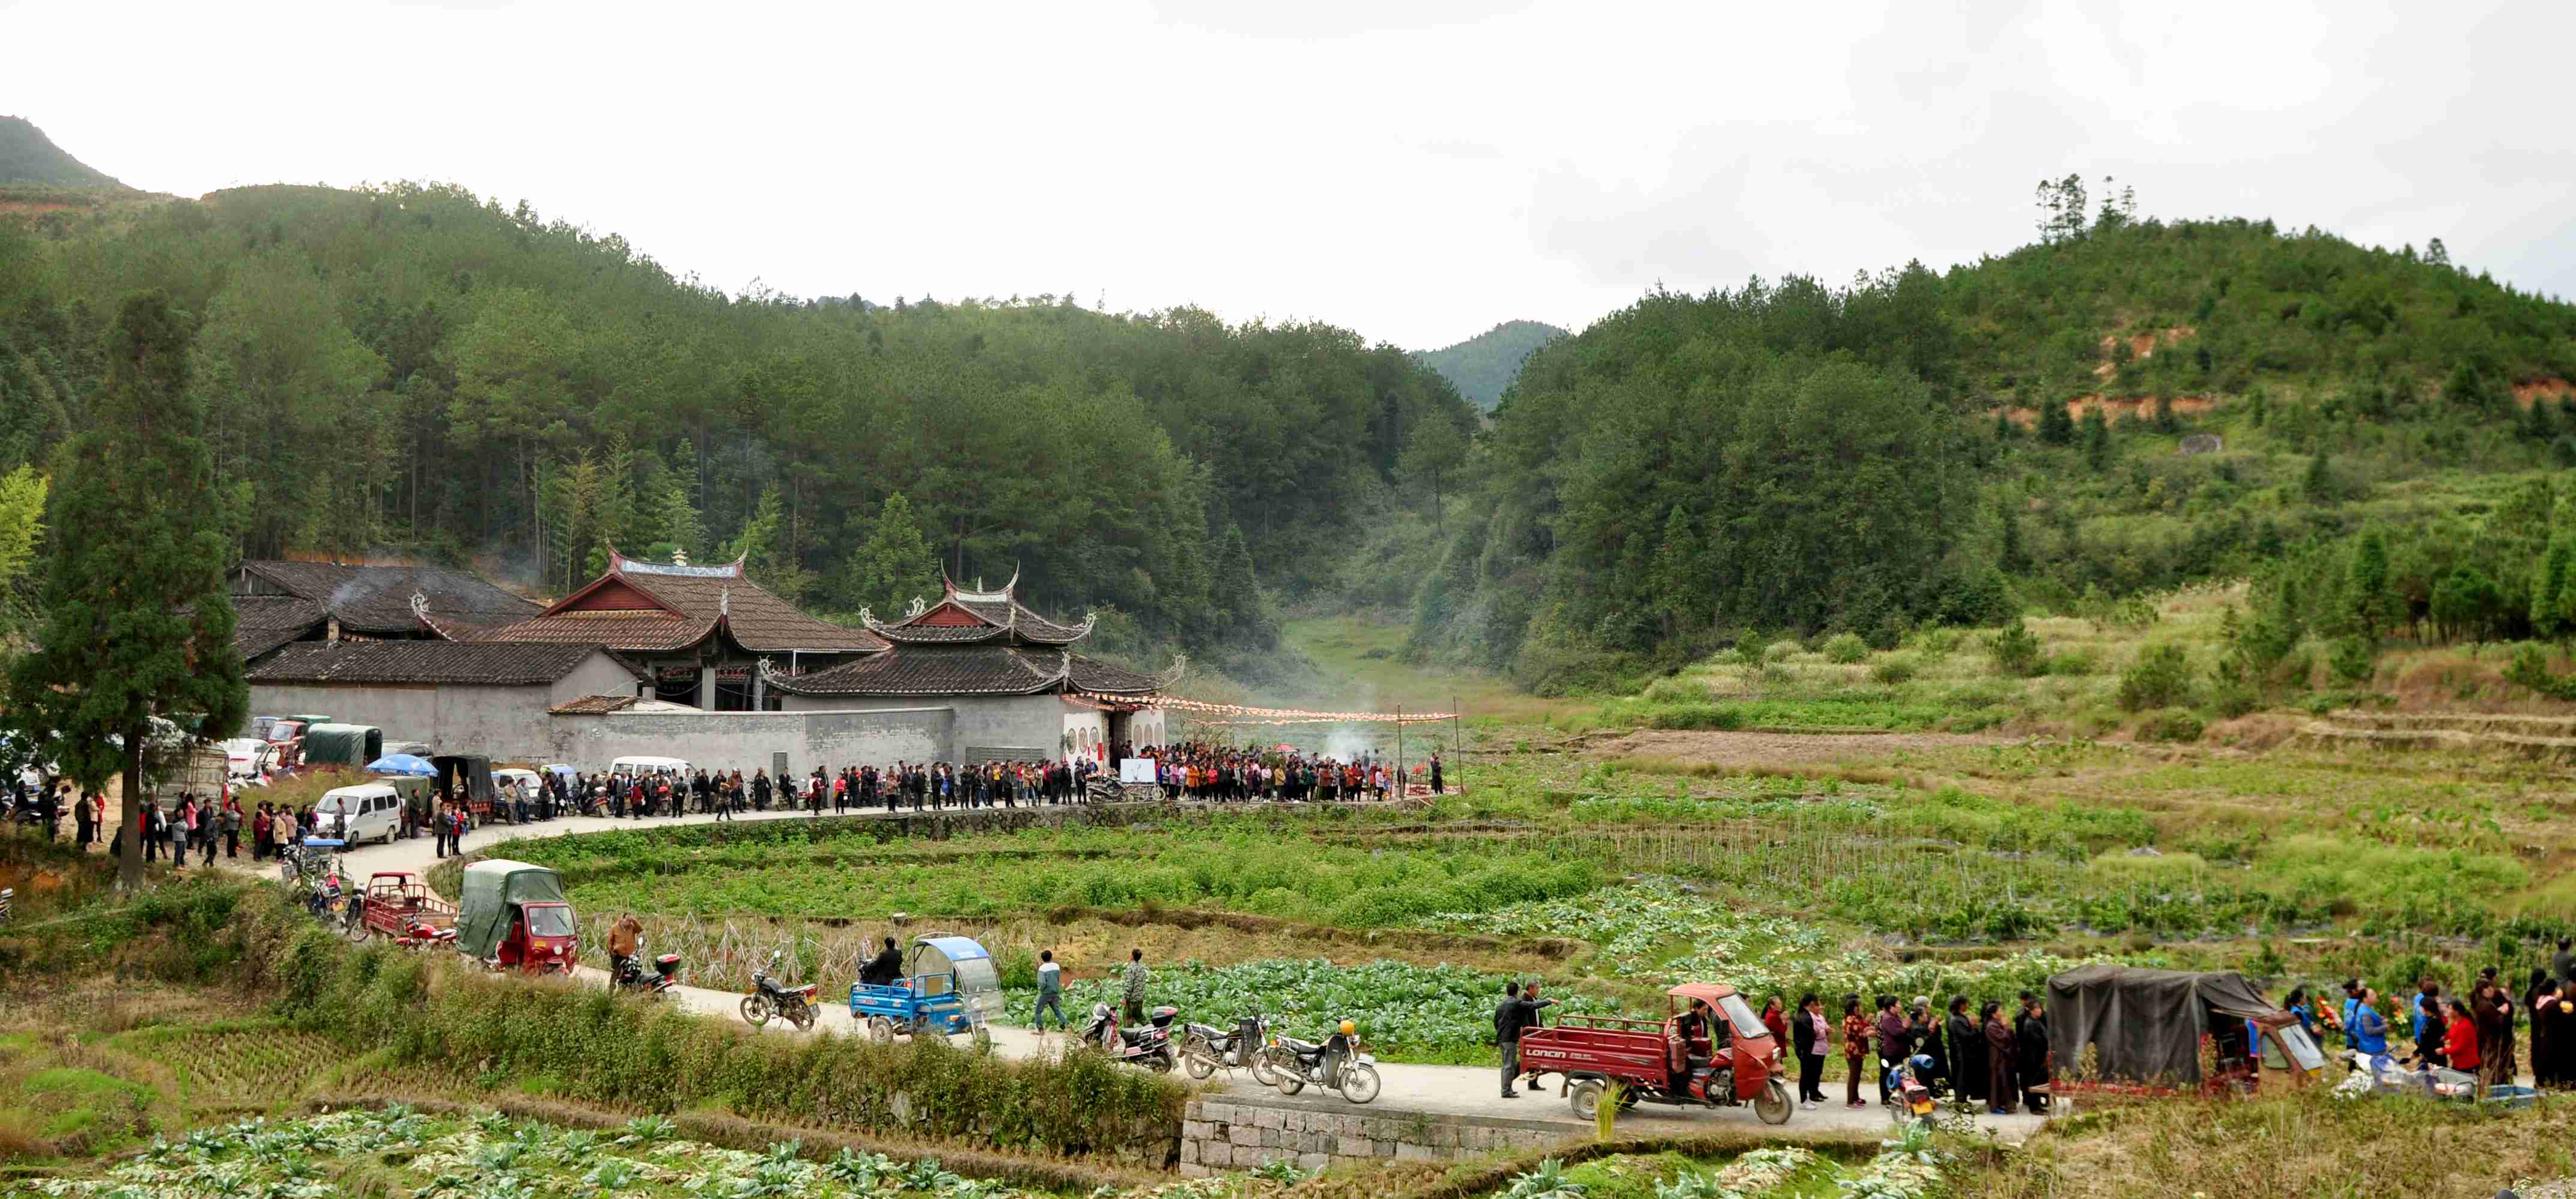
(2370,1029)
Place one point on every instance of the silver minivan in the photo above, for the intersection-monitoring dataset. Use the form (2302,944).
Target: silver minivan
(365,812)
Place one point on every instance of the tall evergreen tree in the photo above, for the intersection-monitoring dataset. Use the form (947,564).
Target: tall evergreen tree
(2055,426)
(1235,588)
(2097,439)
(2366,585)
(137,624)
(2011,556)
(894,565)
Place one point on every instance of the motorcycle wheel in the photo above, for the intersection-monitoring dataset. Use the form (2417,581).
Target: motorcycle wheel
(355,928)
(802,1016)
(1585,1099)
(756,1010)
(1161,1062)
(1200,1059)
(1289,1076)
(982,1041)
(286,871)
(1359,1082)
(1773,1103)
(1261,1071)
(881,1030)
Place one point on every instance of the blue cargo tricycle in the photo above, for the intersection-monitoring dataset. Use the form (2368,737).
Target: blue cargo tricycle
(949,986)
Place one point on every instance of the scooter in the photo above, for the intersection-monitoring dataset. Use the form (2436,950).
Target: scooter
(769,997)
(628,975)
(1150,1046)
(1335,1064)
(1909,1098)
(1205,1048)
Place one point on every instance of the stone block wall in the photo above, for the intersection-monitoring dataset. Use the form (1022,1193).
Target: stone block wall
(1218,1135)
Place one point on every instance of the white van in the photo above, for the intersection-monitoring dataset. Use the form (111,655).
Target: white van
(517,783)
(647,766)
(365,812)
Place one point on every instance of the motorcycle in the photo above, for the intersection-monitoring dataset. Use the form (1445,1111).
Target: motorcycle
(1909,1098)
(327,901)
(1150,1046)
(1335,1064)
(628,974)
(1205,1049)
(768,997)
(421,934)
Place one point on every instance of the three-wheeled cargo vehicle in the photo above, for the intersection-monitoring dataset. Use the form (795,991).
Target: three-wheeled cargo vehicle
(348,746)
(948,986)
(466,779)
(399,905)
(1711,1051)
(513,916)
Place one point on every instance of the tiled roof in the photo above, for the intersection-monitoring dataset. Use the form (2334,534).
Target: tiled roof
(486,663)
(264,622)
(377,599)
(965,670)
(996,616)
(696,596)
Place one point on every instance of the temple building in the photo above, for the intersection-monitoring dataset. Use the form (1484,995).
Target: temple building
(697,631)
(1010,677)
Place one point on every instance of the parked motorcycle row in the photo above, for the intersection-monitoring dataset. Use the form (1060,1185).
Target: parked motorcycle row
(1337,1063)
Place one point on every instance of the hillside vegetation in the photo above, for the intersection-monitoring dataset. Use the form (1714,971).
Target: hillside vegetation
(412,370)
(1482,366)
(2127,406)
(29,158)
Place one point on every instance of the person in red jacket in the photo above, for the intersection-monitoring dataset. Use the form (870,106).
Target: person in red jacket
(2460,1037)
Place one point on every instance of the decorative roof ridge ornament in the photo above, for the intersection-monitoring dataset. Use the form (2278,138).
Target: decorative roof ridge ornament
(1180,666)
(917,607)
(724,604)
(420,607)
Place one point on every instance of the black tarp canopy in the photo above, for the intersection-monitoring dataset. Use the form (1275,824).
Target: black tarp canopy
(466,779)
(2144,1025)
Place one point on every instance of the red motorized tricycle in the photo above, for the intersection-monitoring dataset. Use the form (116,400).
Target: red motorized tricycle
(1712,1051)
(515,918)
(399,905)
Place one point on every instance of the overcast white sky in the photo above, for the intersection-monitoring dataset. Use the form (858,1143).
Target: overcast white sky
(1415,171)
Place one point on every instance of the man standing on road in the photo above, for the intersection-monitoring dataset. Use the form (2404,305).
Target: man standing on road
(1135,1007)
(1515,1015)
(1050,991)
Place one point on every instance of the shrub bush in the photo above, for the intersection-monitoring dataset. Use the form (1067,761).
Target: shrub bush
(2160,678)
(1843,649)
(2353,659)
(1782,650)
(1893,670)
(2073,664)
(2015,649)
(2169,724)
(2232,700)
(1726,717)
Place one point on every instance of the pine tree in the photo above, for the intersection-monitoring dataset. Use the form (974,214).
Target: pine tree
(2005,429)
(1676,564)
(2366,584)
(137,623)
(767,559)
(1234,588)
(2055,426)
(2553,599)
(2097,439)
(894,566)
(2320,483)
(2011,557)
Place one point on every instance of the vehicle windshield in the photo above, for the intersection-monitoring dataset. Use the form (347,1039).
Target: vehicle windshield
(1746,1023)
(976,974)
(549,920)
(282,732)
(335,803)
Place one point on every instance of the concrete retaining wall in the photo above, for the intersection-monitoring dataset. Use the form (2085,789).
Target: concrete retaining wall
(1234,1133)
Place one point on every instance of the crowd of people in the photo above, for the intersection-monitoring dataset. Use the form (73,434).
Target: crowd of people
(1224,774)
(2489,1031)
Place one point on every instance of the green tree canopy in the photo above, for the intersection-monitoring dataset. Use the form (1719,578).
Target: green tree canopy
(136,620)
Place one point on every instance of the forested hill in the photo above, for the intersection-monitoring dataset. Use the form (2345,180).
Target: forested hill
(1483,365)
(1924,447)
(29,158)
(411,370)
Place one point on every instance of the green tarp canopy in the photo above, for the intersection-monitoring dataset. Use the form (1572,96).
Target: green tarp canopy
(2145,1025)
(492,887)
(350,745)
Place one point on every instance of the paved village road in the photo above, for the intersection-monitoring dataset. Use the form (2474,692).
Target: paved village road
(1448,1090)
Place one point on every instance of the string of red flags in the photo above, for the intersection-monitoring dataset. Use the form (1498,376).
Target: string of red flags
(1258,715)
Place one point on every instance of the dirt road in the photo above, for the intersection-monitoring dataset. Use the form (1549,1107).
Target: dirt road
(1453,1090)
